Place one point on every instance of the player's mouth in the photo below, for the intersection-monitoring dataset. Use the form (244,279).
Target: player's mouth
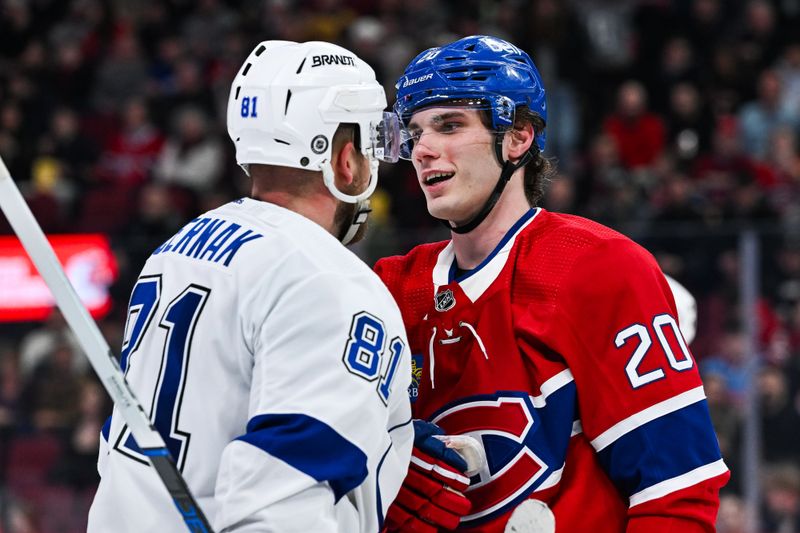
(437,177)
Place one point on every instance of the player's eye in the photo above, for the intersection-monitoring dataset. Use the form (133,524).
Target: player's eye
(450,126)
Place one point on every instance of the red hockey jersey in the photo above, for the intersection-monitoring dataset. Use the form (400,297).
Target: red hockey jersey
(561,354)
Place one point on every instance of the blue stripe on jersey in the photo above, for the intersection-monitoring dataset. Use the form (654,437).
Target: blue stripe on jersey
(666,453)
(155,452)
(310,446)
(558,415)
(510,233)
(106,429)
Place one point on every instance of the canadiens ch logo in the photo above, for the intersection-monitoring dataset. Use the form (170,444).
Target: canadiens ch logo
(444,301)
(507,425)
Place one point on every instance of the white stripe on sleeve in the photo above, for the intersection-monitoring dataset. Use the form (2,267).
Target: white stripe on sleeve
(651,413)
(693,477)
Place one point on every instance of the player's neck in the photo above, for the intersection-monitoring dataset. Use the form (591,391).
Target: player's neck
(319,208)
(472,248)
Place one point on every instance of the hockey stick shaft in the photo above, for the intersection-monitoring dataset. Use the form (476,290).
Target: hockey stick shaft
(97,350)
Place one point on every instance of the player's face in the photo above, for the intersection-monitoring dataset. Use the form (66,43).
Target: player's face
(454,159)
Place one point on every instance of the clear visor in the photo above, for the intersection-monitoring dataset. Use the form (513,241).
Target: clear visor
(449,118)
(386,138)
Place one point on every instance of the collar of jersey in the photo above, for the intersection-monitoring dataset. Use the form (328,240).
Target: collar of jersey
(476,280)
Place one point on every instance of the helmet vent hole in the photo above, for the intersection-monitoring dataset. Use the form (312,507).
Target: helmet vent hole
(246,69)
(470,48)
(239,88)
(260,50)
(283,142)
(479,78)
(288,97)
(303,62)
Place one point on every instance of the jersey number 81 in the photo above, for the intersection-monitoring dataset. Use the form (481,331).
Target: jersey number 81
(177,325)
(364,352)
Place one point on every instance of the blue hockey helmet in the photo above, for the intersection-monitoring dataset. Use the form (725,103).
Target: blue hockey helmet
(478,67)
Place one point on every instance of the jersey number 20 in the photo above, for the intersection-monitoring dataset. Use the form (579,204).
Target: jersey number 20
(178,323)
(635,376)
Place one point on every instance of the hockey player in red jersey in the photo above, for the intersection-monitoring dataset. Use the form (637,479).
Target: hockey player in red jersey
(551,339)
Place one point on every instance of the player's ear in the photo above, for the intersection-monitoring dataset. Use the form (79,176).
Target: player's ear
(519,140)
(344,164)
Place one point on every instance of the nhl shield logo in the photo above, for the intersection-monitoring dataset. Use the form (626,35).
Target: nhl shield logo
(319,144)
(444,301)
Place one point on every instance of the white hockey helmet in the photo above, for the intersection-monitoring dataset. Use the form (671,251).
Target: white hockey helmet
(687,309)
(288,99)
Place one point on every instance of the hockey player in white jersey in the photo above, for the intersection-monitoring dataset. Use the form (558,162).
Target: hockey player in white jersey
(273,362)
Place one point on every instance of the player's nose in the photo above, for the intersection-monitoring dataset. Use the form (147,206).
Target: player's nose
(425,148)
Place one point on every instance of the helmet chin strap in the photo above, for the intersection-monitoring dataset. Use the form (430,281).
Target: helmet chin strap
(360,216)
(362,210)
(507,170)
(327,177)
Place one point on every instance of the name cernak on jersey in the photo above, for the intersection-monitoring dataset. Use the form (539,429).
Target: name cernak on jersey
(209,239)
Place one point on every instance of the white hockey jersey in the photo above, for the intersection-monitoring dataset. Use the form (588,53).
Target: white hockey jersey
(275,365)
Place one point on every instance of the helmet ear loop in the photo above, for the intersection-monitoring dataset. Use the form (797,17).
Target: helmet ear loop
(361,200)
(507,167)
(328,178)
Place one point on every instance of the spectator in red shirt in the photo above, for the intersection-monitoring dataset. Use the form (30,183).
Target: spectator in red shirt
(639,134)
(132,151)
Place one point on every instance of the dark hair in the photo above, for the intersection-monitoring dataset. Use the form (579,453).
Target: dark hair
(347,132)
(540,169)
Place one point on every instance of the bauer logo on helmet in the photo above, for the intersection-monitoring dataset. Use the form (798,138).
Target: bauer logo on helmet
(413,81)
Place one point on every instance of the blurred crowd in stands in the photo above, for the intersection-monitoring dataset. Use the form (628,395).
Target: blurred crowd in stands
(675,122)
